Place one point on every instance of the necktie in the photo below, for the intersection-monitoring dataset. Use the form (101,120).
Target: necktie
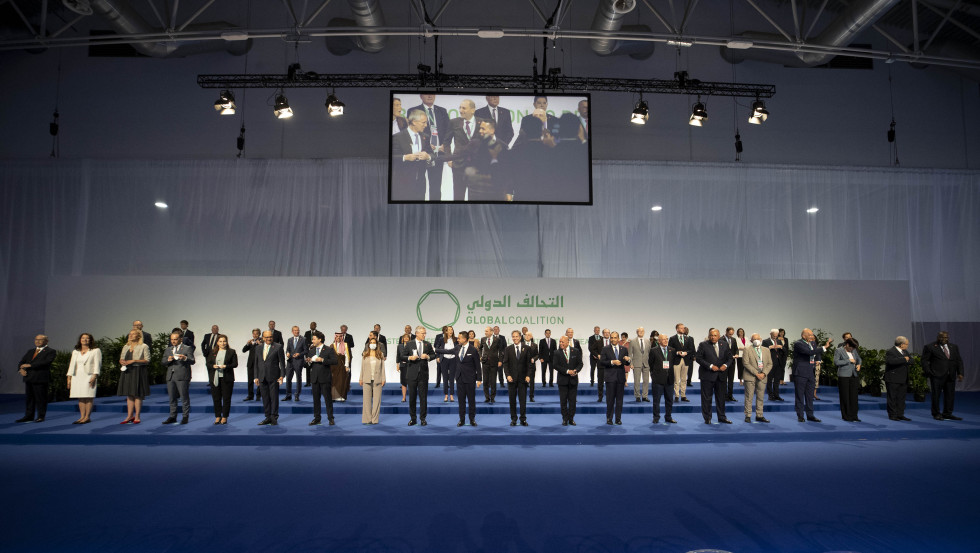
(946,351)
(641,345)
(432,118)
(36,351)
(518,350)
(494,111)
(317,352)
(616,351)
(758,354)
(213,340)
(418,348)
(295,341)
(566,354)
(417,145)
(462,352)
(716,349)
(468,134)
(664,350)
(265,352)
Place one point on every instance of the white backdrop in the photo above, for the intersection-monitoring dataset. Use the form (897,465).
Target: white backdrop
(238,304)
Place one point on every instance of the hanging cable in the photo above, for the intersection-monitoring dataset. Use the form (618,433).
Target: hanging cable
(892,137)
(53,126)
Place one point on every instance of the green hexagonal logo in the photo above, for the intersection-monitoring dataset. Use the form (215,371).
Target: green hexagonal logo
(437,308)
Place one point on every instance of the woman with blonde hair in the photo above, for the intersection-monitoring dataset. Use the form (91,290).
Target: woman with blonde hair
(134,375)
(83,375)
(372,380)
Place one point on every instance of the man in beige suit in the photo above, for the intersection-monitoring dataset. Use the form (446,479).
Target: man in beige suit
(757,363)
(639,352)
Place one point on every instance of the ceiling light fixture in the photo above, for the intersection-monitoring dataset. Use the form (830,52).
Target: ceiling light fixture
(225,104)
(759,112)
(641,113)
(161,205)
(334,106)
(282,109)
(698,114)
(813,209)
(656,208)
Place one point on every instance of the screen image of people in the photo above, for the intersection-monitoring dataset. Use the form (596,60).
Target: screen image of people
(490,148)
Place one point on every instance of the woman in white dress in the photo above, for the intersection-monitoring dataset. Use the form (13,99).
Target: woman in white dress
(85,366)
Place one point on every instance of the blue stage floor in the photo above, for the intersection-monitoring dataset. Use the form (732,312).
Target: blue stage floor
(875,486)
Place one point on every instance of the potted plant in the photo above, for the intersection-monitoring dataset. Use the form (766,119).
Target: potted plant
(918,382)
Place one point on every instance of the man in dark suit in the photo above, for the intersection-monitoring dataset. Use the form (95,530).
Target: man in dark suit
(517,367)
(465,133)
(546,351)
(438,124)
(492,349)
(177,361)
(614,362)
(411,154)
(269,370)
(548,121)
(308,336)
(942,363)
(35,367)
(186,334)
(730,374)
(714,360)
(501,118)
(320,358)
(567,361)
(570,334)
(897,361)
(209,341)
(662,378)
(595,348)
(147,339)
(417,354)
(251,346)
(806,353)
(470,377)
(349,340)
(381,338)
(532,347)
(296,350)
(682,362)
(277,339)
(503,346)
(778,354)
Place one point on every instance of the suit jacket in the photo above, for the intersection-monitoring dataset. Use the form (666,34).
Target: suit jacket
(846,367)
(732,344)
(40,370)
(401,122)
(349,340)
(147,339)
(802,351)
(612,372)
(595,346)
(407,172)
(178,369)
(687,346)
(545,352)
(706,357)
(656,362)
(517,367)
(751,362)
(273,366)
(320,370)
(468,366)
(441,120)
(896,367)
(573,363)
(641,360)
(935,364)
(188,337)
(206,345)
(301,347)
(276,337)
(231,361)
(248,347)
(552,123)
(504,125)
(308,335)
(577,345)
(778,355)
(492,354)
(419,368)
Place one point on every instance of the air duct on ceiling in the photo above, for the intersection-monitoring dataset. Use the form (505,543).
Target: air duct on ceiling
(367,13)
(609,16)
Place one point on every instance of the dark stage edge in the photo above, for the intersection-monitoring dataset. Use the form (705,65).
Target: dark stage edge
(494,425)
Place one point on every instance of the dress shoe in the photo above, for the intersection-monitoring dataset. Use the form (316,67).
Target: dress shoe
(761,419)
(591,384)
(572,422)
(609,422)
(748,419)
(532,400)
(656,420)
(707,422)
(904,418)
(855,419)
(39,419)
(564,423)
(315,422)
(894,419)
(217,422)
(646,399)
(619,423)
(780,398)
(127,421)
(330,422)
(493,402)
(307,384)
(638,400)
(523,423)
(938,417)
(170,420)
(952,417)
(684,399)
(486,401)
(725,421)
(265,422)
(296,397)
(274,422)
(472,423)
(248,398)
(184,420)
(730,398)
(599,400)
(800,419)
(460,423)
(287,398)
(411,423)
(77,422)
(86,421)
(423,423)
(513,423)
(670,420)
(814,419)
(24,419)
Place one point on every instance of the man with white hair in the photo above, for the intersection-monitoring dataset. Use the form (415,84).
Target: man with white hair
(757,366)
(806,352)
(778,354)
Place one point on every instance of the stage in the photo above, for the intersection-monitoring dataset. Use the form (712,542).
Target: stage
(874,486)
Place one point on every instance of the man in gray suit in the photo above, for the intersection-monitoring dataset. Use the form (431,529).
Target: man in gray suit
(295,359)
(639,351)
(177,359)
(269,370)
(757,364)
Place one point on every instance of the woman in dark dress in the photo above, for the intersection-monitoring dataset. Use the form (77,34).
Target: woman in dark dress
(221,374)
(400,366)
(134,377)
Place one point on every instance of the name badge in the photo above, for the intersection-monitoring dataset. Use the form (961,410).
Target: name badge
(666,365)
(760,364)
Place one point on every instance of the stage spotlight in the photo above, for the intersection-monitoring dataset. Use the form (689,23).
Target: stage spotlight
(225,104)
(640,114)
(698,114)
(161,205)
(334,106)
(813,210)
(759,112)
(282,109)
(656,208)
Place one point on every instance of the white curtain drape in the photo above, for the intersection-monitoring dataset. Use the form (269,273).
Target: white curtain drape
(331,218)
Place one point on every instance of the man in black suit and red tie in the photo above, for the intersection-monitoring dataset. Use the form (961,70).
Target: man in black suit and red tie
(517,367)
(662,378)
(942,363)
(567,361)
(501,118)
(470,376)
(410,156)
(614,363)
(35,367)
(714,361)
(438,125)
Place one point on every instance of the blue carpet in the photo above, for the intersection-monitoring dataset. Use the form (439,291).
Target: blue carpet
(780,487)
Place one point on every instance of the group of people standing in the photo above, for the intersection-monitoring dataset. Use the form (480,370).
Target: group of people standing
(661,367)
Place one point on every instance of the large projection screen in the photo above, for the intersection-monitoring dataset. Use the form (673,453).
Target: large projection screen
(487,147)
